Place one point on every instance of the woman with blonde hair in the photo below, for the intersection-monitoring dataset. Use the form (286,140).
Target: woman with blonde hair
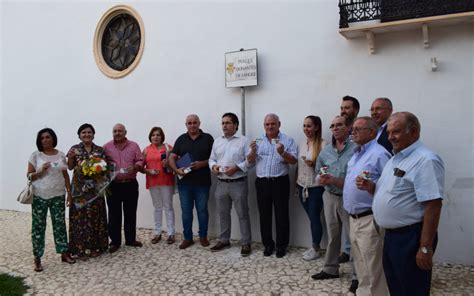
(309,191)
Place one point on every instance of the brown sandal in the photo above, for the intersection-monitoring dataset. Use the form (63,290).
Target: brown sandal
(170,240)
(156,239)
(66,257)
(38,266)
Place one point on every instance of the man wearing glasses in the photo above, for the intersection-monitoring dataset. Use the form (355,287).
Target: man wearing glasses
(331,166)
(228,163)
(366,236)
(380,111)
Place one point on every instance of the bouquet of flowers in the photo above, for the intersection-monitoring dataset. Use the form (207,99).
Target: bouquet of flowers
(97,176)
(94,167)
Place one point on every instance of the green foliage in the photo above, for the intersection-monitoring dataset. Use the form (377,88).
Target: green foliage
(12,285)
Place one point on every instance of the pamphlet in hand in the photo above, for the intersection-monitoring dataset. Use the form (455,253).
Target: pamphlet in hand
(184,161)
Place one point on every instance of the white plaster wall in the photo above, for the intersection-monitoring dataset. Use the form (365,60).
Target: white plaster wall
(49,78)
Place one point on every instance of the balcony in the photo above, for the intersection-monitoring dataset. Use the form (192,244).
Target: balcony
(367,18)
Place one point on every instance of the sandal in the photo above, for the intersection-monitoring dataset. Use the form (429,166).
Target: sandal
(156,239)
(170,239)
(95,253)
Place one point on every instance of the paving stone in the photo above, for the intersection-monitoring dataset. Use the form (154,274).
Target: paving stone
(163,269)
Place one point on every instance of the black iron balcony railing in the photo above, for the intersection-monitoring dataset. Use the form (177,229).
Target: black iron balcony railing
(393,10)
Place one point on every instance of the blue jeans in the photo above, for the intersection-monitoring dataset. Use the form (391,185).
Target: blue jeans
(313,206)
(191,195)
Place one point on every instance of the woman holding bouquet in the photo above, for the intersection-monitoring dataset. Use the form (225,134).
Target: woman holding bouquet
(48,172)
(88,236)
(160,182)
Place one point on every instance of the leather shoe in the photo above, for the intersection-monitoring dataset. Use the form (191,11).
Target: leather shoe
(113,248)
(343,258)
(38,266)
(220,246)
(268,251)
(245,250)
(324,276)
(186,243)
(281,252)
(354,286)
(66,257)
(204,242)
(134,244)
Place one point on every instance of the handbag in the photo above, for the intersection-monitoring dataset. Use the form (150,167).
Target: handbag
(26,195)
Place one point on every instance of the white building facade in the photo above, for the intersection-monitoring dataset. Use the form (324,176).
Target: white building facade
(49,78)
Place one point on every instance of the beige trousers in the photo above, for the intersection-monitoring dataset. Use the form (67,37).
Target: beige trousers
(367,249)
(336,218)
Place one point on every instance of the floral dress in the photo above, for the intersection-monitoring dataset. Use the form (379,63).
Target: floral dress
(87,213)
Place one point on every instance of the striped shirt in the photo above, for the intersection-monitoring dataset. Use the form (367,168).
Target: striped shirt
(269,162)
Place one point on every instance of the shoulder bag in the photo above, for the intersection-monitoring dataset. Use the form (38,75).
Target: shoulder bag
(26,195)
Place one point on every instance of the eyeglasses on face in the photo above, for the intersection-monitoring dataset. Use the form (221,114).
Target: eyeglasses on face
(359,129)
(337,125)
(377,109)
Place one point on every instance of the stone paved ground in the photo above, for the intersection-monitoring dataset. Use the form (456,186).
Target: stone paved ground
(165,270)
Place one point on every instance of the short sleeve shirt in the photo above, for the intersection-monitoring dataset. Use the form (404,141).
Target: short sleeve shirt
(200,149)
(411,177)
(52,183)
(336,161)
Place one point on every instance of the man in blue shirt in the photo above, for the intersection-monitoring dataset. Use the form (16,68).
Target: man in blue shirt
(367,163)
(331,166)
(273,153)
(407,203)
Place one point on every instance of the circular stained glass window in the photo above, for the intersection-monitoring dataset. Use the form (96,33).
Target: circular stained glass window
(119,41)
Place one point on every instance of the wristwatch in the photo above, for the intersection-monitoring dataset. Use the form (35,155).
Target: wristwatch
(426,250)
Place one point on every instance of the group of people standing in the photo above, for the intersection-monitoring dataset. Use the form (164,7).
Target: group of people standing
(388,205)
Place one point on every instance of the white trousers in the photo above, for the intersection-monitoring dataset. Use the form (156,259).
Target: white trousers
(367,249)
(162,198)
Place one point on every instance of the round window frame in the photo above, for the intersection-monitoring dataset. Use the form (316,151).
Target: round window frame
(99,32)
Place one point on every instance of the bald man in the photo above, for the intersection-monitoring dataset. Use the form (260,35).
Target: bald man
(380,111)
(127,158)
(194,179)
(273,154)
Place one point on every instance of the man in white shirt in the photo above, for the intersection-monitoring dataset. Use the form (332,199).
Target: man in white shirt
(228,163)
